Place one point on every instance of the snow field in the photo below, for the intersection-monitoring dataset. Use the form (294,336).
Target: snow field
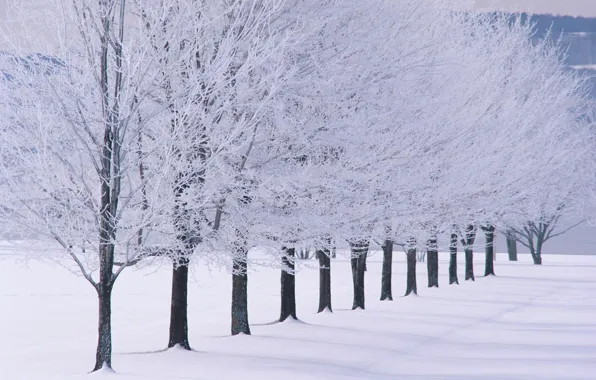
(529,322)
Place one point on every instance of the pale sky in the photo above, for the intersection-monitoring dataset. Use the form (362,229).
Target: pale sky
(568,7)
(585,8)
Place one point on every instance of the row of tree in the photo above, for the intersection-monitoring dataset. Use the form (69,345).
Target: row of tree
(358,254)
(171,129)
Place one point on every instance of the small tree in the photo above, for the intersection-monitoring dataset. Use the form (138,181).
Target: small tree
(533,235)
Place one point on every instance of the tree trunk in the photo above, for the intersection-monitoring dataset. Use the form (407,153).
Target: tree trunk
(453,260)
(469,264)
(386,273)
(324,280)
(537,254)
(288,285)
(103,356)
(489,265)
(511,246)
(468,242)
(179,305)
(364,261)
(240,294)
(432,263)
(537,259)
(411,272)
(358,261)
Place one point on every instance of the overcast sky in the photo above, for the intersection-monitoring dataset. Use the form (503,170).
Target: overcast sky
(567,7)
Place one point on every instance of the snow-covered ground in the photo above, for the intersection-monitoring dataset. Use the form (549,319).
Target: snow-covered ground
(528,323)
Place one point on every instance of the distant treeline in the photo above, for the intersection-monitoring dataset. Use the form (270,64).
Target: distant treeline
(578,35)
(559,24)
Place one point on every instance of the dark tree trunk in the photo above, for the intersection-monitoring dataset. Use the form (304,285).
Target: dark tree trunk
(468,243)
(359,297)
(511,246)
(354,266)
(240,293)
(537,253)
(358,260)
(453,260)
(104,287)
(432,263)
(469,264)
(386,273)
(537,259)
(489,265)
(324,280)
(179,305)
(411,272)
(288,285)
(364,261)
(103,357)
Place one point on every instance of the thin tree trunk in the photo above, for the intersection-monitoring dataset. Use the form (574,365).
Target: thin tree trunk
(432,263)
(358,261)
(453,260)
(489,265)
(103,356)
(511,246)
(324,280)
(288,285)
(355,286)
(179,305)
(240,293)
(411,272)
(386,273)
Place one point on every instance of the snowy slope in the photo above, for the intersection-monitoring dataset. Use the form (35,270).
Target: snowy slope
(528,323)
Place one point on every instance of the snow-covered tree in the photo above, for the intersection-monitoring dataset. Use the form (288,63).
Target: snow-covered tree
(85,136)
(221,102)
